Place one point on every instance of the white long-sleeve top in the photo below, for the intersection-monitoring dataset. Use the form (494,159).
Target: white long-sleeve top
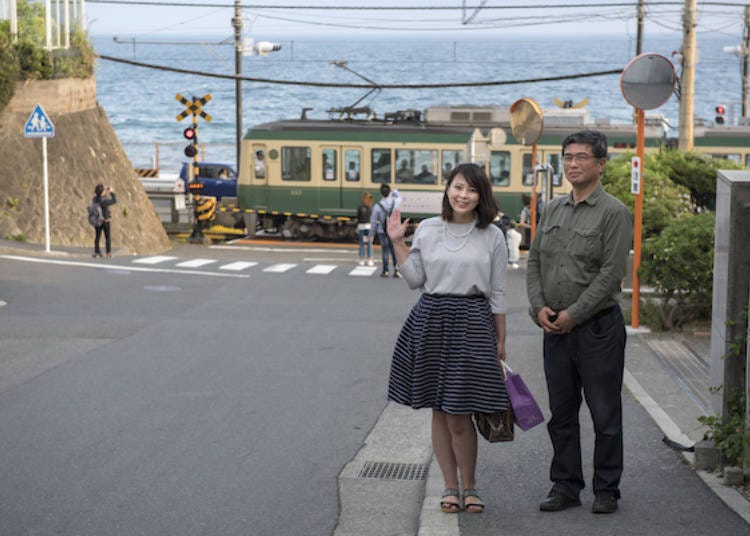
(441,261)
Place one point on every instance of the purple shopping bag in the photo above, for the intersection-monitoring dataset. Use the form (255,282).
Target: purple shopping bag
(527,411)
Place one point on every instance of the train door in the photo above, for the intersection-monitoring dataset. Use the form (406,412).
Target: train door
(258,167)
(330,195)
(340,173)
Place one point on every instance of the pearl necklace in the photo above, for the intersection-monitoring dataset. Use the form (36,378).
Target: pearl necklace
(466,235)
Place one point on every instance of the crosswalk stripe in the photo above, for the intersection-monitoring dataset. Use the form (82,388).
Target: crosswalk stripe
(363,271)
(323,269)
(237,266)
(196,263)
(279,268)
(154,260)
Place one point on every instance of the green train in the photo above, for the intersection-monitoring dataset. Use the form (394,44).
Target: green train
(305,177)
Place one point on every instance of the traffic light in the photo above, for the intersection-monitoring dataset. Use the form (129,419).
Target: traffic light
(720,111)
(191,134)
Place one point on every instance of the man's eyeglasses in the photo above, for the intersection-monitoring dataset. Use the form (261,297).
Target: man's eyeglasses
(578,157)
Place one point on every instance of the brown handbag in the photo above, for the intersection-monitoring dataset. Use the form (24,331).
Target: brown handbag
(495,427)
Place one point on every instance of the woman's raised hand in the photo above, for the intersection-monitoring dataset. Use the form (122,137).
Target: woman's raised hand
(396,228)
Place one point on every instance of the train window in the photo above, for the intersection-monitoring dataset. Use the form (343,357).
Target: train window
(450,160)
(500,168)
(747,160)
(259,162)
(416,167)
(352,163)
(528,170)
(381,165)
(329,164)
(732,157)
(295,163)
(554,161)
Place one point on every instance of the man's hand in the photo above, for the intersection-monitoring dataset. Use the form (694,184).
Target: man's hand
(546,318)
(564,323)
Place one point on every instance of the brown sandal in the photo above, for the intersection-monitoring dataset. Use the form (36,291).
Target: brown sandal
(474,507)
(448,506)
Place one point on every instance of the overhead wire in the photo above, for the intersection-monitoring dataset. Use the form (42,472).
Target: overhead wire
(359,86)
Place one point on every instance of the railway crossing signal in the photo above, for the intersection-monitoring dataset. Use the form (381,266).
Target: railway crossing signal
(720,111)
(204,207)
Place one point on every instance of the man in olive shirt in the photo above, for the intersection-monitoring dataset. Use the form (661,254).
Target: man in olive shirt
(576,263)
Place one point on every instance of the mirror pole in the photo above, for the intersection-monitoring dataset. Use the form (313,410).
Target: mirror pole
(637,222)
(533,192)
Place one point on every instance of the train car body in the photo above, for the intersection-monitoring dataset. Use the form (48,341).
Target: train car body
(305,177)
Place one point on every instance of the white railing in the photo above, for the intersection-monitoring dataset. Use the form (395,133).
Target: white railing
(61,17)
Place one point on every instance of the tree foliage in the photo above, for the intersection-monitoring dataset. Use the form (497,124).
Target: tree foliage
(663,200)
(678,263)
(697,173)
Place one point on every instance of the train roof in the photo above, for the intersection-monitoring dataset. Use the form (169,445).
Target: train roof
(456,124)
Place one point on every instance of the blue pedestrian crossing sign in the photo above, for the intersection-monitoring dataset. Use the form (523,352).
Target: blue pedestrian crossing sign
(38,125)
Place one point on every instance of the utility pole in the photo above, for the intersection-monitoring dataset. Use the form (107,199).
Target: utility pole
(746,59)
(641,13)
(237,24)
(687,82)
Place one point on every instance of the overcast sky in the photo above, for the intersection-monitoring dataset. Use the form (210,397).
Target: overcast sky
(266,22)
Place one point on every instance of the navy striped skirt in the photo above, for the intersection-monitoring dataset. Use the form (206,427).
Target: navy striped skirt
(446,357)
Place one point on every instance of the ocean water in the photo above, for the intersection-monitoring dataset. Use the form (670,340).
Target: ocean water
(142,107)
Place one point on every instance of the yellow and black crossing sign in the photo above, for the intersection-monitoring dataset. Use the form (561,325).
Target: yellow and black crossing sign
(193,107)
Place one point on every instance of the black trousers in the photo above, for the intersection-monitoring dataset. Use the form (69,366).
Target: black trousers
(104,227)
(591,359)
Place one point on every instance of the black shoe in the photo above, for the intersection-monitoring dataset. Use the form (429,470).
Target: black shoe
(396,274)
(604,503)
(557,501)
(384,274)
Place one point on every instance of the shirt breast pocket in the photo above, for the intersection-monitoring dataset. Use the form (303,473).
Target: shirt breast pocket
(586,244)
(550,239)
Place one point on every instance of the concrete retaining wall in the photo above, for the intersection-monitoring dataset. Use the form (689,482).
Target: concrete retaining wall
(64,96)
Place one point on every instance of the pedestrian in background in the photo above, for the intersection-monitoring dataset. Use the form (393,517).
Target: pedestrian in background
(364,212)
(514,238)
(378,225)
(576,264)
(100,198)
(449,352)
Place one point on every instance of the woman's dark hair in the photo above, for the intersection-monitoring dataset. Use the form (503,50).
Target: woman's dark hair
(475,175)
(99,190)
(593,138)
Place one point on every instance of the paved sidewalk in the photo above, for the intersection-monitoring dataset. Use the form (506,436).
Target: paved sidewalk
(665,392)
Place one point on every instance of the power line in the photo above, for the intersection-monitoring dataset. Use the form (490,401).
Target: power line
(406,8)
(359,86)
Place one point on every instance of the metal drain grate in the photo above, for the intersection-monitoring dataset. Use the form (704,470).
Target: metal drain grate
(393,471)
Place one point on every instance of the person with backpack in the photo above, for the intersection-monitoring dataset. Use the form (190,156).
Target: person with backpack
(379,224)
(100,216)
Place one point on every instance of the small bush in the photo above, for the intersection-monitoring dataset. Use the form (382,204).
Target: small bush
(729,433)
(679,265)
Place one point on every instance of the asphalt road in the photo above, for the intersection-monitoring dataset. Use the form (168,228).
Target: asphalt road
(167,402)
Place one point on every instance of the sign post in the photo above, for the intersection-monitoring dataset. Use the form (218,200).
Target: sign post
(38,125)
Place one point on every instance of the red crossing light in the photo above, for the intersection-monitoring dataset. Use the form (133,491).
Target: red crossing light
(189,133)
(720,111)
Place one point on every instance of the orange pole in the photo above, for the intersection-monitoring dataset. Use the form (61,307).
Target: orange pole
(533,192)
(638,224)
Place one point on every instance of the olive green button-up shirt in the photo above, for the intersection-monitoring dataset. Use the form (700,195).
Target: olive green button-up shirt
(578,257)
